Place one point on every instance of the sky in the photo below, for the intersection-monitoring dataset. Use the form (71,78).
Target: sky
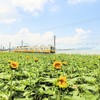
(75,23)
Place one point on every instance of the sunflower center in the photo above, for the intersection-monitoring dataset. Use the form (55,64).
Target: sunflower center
(57,65)
(14,65)
(61,81)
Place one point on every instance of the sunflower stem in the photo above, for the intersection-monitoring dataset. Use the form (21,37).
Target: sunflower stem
(11,84)
(58,95)
(30,84)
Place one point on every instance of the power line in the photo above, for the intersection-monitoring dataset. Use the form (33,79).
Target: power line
(69,25)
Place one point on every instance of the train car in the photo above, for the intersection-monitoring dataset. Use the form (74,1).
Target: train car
(35,49)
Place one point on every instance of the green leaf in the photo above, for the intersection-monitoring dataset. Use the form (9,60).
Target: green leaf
(3,97)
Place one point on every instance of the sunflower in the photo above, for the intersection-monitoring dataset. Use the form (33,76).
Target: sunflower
(99,57)
(36,59)
(27,57)
(57,64)
(54,59)
(62,82)
(75,86)
(14,65)
(64,63)
(9,61)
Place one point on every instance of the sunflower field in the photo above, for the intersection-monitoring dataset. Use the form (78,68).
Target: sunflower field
(29,76)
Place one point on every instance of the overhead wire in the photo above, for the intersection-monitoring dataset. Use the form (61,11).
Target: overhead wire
(69,25)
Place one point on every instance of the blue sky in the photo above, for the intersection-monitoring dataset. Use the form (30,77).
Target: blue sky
(75,23)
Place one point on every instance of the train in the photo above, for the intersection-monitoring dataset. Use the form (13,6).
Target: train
(35,49)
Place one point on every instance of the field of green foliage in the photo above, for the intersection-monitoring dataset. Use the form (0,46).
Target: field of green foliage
(29,76)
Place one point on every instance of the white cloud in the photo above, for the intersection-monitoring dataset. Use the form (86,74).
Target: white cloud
(30,5)
(54,8)
(27,37)
(8,20)
(5,6)
(9,8)
(8,12)
(43,39)
(79,37)
(79,1)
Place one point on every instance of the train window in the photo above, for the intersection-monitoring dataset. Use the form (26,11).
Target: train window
(51,48)
(26,48)
(38,48)
(46,48)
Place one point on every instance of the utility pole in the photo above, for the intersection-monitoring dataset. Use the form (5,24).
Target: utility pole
(1,47)
(9,46)
(55,42)
(22,43)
